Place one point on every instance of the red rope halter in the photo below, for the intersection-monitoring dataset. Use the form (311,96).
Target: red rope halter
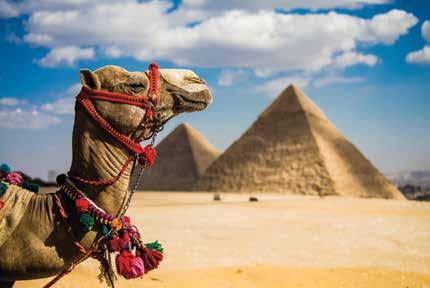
(145,155)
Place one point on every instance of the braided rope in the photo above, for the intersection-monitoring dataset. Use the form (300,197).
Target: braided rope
(141,101)
(64,218)
(123,139)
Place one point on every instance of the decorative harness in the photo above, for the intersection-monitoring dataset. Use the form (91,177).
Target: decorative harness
(117,234)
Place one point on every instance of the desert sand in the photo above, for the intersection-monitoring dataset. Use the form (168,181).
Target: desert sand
(280,241)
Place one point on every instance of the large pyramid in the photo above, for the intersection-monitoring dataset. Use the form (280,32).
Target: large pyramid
(293,148)
(182,157)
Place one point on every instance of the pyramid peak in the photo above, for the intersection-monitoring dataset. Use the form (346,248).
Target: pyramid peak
(185,132)
(292,99)
(184,125)
(183,155)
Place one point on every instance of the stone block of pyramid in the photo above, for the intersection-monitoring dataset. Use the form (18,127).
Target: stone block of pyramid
(182,157)
(293,148)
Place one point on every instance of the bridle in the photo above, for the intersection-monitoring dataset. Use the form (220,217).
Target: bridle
(150,254)
(144,155)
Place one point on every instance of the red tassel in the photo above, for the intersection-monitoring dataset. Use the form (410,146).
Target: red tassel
(82,205)
(115,244)
(129,265)
(147,158)
(125,241)
(127,220)
(151,259)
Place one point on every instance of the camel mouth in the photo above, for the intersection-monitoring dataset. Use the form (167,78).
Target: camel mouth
(189,102)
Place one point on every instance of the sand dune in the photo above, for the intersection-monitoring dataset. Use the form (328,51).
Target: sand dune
(280,241)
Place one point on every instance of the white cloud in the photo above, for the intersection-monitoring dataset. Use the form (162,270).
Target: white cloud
(64,105)
(31,116)
(25,115)
(9,101)
(8,10)
(203,8)
(263,72)
(113,52)
(26,119)
(425,30)
(246,37)
(66,55)
(261,40)
(336,79)
(419,57)
(388,27)
(228,77)
(223,5)
(353,58)
(275,86)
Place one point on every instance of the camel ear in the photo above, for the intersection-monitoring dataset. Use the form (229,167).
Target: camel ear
(89,79)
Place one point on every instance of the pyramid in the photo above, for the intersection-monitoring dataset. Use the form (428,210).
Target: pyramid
(293,148)
(182,157)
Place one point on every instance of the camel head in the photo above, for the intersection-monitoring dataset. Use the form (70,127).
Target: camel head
(180,91)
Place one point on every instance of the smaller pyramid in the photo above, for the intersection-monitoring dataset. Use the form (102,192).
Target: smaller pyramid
(182,157)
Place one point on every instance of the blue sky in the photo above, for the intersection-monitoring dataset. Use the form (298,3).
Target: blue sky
(364,62)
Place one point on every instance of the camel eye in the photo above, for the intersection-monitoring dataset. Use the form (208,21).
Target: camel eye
(136,87)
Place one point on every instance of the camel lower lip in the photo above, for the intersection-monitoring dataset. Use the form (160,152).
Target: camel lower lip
(185,99)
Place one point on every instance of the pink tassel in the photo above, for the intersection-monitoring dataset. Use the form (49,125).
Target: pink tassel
(129,265)
(14,178)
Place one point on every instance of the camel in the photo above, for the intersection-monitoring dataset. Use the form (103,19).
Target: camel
(40,246)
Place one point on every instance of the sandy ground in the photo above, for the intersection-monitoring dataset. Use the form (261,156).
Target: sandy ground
(280,241)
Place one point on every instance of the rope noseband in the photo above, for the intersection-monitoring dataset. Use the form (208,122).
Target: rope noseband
(145,155)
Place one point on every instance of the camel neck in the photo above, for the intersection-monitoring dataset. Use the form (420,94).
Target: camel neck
(96,155)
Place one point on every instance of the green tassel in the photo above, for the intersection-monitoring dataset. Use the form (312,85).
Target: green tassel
(105,230)
(5,168)
(3,188)
(155,246)
(87,222)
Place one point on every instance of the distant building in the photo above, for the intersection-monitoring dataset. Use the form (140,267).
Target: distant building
(52,176)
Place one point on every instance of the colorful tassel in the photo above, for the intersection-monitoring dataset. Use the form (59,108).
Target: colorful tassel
(151,259)
(116,224)
(147,158)
(4,168)
(87,222)
(82,205)
(14,178)
(115,244)
(155,246)
(105,230)
(129,266)
(125,241)
(126,220)
(3,188)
